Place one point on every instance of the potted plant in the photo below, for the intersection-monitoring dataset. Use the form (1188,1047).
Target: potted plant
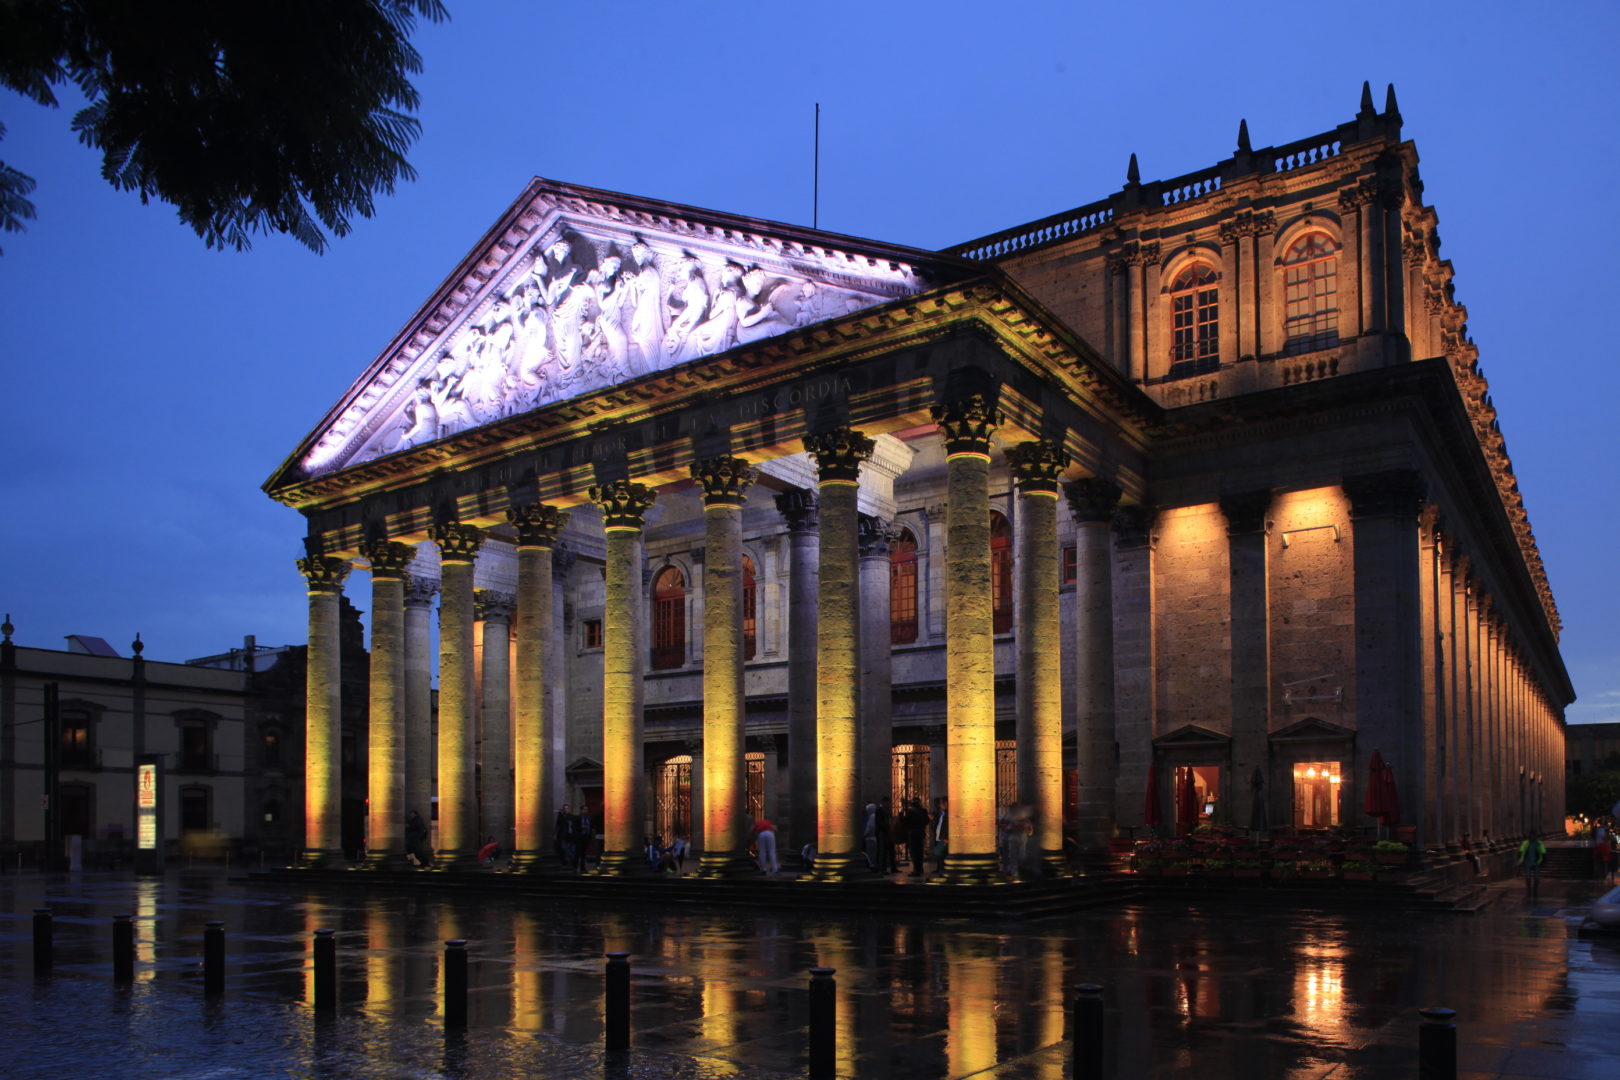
(1146,859)
(1316,867)
(1359,870)
(1390,852)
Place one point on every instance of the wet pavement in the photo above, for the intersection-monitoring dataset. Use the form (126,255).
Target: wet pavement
(1217,989)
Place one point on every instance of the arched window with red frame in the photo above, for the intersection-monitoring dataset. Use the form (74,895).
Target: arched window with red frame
(1195,321)
(750,610)
(903,589)
(1001,583)
(1311,294)
(668,619)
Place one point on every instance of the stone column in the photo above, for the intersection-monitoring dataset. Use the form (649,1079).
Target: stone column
(1091,503)
(458,810)
(838,455)
(532,766)
(798,507)
(970,650)
(323,735)
(725,483)
(417,697)
(494,610)
(1251,649)
(624,641)
(877,678)
(385,827)
(1036,467)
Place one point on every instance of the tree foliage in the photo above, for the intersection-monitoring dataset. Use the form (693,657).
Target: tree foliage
(248,116)
(1593,794)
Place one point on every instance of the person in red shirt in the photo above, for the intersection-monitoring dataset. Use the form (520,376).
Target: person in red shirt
(765,837)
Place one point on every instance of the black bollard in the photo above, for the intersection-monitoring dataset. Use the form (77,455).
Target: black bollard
(1088,1032)
(823,1024)
(455,983)
(616,1031)
(123,949)
(325,970)
(1437,1045)
(44,947)
(214,959)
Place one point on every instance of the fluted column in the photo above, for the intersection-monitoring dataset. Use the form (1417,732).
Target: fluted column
(798,507)
(385,739)
(970,650)
(493,610)
(838,455)
(725,483)
(323,736)
(537,527)
(1091,503)
(624,507)
(418,696)
(1036,467)
(458,810)
(877,680)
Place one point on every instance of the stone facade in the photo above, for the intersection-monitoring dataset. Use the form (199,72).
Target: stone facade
(1285,529)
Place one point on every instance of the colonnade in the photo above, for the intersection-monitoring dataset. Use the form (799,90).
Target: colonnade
(829,725)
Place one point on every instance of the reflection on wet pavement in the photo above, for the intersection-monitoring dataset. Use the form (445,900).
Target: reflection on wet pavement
(1216,991)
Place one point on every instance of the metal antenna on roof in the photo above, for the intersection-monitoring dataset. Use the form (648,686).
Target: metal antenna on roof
(815,182)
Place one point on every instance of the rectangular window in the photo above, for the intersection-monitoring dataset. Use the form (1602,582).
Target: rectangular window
(195,751)
(76,750)
(1071,564)
(593,633)
(903,601)
(1311,317)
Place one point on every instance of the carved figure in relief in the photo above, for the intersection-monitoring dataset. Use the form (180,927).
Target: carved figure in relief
(612,299)
(718,331)
(809,305)
(769,306)
(690,301)
(572,308)
(422,423)
(645,303)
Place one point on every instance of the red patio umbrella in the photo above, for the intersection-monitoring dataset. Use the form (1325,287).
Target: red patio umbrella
(1150,809)
(1388,799)
(1370,804)
(1187,801)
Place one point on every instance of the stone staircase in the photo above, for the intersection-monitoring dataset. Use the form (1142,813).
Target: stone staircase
(1569,862)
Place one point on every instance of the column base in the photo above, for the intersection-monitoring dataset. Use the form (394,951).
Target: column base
(387,860)
(841,866)
(1054,865)
(534,862)
(623,864)
(726,864)
(323,859)
(455,860)
(972,869)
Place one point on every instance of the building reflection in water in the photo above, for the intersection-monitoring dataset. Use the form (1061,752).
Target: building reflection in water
(970,976)
(1319,985)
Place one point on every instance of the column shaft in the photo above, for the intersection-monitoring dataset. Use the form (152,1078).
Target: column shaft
(418,696)
(1251,653)
(798,507)
(385,827)
(1092,501)
(494,613)
(323,777)
(877,680)
(537,527)
(458,809)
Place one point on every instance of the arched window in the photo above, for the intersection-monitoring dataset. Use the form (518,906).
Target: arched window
(750,610)
(903,589)
(1311,283)
(669,619)
(1195,321)
(1001,583)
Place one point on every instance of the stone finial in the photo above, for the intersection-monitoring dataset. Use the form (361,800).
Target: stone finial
(324,573)
(388,558)
(1367,101)
(137,646)
(1391,110)
(1243,138)
(838,454)
(725,480)
(1133,172)
(1092,499)
(967,423)
(624,504)
(537,524)
(457,542)
(6,628)
(1037,465)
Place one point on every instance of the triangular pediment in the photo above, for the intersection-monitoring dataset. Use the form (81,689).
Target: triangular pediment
(1192,735)
(577,290)
(1312,729)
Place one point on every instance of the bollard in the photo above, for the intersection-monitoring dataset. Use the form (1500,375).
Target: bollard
(1437,1045)
(616,1031)
(214,958)
(325,970)
(455,984)
(1088,1032)
(123,958)
(44,948)
(823,1024)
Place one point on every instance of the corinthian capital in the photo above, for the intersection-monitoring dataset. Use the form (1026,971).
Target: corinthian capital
(1037,465)
(798,507)
(838,454)
(1092,499)
(493,605)
(537,524)
(624,505)
(324,573)
(388,558)
(457,543)
(725,480)
(967,424)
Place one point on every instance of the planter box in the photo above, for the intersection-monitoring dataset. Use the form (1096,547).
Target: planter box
(1359,875)
(1248,871)
(1311,872)
(1390,858)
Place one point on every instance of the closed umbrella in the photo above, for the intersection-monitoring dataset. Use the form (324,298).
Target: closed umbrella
(1150,809)
(1389,800)
(1375,780)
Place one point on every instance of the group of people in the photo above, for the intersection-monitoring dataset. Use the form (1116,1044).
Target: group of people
(668,859)
(573,837)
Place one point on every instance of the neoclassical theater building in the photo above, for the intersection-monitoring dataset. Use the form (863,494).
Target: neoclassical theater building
(1193,494)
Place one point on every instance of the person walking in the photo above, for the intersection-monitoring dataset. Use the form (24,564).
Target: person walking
(1532,853)
(914,827)
(765,837)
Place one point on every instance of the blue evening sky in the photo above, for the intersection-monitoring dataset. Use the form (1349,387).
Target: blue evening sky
(150,385)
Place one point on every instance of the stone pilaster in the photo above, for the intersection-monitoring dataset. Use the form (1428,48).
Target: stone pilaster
(877,679)
(624,507)
(458,808)
(532,766)
(323,735)
(1248,577)
(838,455)
(1036,467)
(418,696)
(494,610)
(385,740)
(799,509)
(725,482)
(1091,504)
(970,653)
